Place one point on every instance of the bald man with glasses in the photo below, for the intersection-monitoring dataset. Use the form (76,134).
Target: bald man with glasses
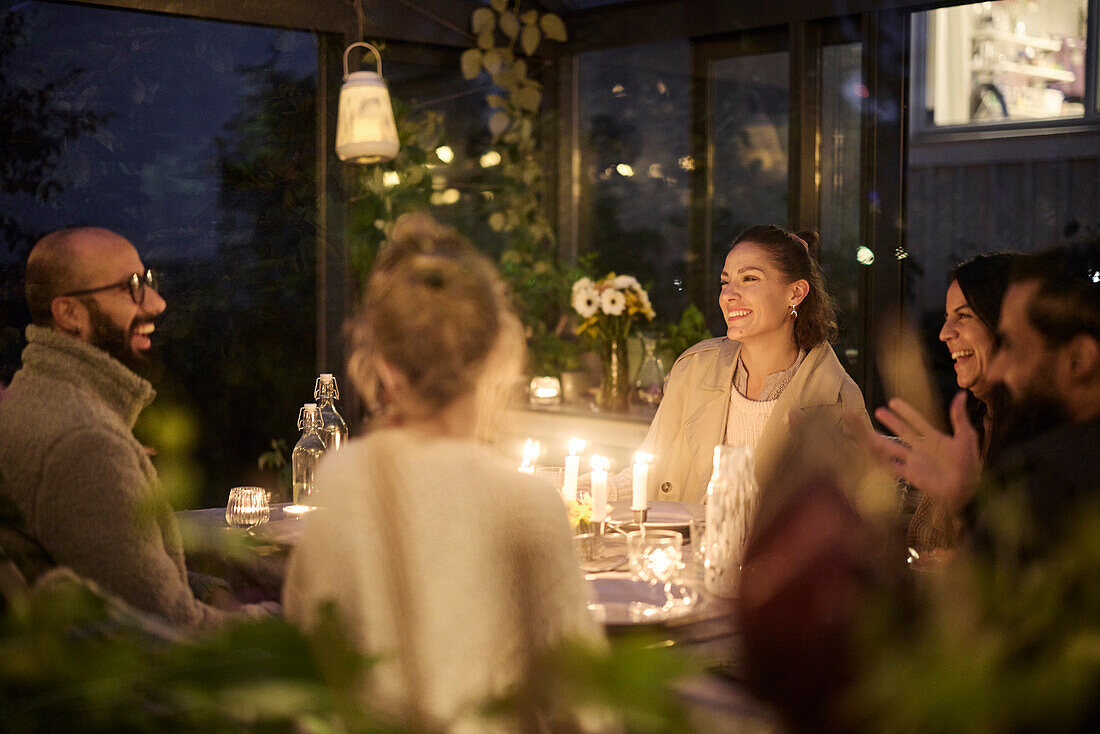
(85,487)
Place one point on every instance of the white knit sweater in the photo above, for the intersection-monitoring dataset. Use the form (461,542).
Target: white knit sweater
(746,420)
(485,558)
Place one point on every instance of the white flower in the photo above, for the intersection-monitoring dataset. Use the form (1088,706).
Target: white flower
(582,284)
(612,302)
(622,282)
(585,302)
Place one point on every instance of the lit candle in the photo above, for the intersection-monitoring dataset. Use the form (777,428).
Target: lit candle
(531,451)
(599,488)
(640,472)
(572,468)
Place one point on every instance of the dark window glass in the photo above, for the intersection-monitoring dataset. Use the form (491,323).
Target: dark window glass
(750,135)
(463,167)
(842,94)
(634,108)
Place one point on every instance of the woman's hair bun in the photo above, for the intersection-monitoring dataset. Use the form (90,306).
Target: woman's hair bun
(813,242)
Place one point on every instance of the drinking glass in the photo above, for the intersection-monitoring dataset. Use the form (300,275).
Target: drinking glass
(247,507)
(656,557)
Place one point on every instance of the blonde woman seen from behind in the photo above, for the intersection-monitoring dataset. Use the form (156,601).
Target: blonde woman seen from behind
(447,564)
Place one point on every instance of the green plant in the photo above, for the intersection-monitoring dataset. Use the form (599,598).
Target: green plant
(691,329)
(74,660)
(999,644)
(507,40)
(277,459)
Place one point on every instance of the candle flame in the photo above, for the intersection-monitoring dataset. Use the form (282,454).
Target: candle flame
(576,445)
(600,463)
(643,458)
(531,451)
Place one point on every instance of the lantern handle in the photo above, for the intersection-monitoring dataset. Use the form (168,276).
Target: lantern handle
(377,56)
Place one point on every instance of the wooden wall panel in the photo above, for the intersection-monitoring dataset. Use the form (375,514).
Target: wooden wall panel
(959,210)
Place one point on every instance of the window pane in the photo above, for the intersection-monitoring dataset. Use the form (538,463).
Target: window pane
(463,178)
(195,140)
(1006,60)
(749,133)
(842,93)
(634,110)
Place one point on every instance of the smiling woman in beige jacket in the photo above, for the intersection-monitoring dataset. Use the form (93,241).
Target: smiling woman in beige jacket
(774,364)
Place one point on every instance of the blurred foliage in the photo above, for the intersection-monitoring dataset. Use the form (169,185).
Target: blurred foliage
(632,683)
(73,660)
(172,429)
(1000,644)
(691,330)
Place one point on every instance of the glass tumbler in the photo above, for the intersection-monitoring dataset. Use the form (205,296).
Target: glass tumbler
(655,555)
(247,507)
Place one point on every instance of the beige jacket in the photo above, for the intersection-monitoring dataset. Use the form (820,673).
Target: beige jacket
(693,414)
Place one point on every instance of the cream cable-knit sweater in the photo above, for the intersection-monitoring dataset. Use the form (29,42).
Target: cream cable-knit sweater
(86,489)
(485,557)
(746,420)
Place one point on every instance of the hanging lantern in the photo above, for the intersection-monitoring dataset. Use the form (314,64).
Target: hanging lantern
(365,130)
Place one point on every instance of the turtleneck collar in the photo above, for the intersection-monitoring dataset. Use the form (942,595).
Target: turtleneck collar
(62,357)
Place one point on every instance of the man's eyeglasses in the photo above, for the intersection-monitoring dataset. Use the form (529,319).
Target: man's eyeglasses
(137,283)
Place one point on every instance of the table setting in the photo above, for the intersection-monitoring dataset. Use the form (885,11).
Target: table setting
(647,564)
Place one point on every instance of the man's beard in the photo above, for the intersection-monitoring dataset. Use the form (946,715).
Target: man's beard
(1031,415)
(116,342)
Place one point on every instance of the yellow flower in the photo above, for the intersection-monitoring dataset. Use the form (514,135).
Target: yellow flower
(579,511)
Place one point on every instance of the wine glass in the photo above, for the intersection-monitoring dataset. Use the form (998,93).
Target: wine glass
(247,507)
(656,557)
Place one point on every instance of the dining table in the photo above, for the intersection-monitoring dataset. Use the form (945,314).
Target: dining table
(702,625)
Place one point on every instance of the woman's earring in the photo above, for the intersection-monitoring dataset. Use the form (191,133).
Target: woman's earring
(794,312)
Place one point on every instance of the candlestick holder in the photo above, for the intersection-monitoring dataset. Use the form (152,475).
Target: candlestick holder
(640,517)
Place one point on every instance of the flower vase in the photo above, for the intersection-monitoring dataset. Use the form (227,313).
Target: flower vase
(649,383)
(615,388)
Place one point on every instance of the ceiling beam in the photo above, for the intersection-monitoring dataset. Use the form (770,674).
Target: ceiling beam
(441,22)
(664,20)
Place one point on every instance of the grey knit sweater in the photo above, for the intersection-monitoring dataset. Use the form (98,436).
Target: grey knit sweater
(86,489)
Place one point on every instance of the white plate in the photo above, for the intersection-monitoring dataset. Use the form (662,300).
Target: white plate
(672,515)
(619,600)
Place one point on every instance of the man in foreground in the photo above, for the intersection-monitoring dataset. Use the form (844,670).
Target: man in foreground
(84,486)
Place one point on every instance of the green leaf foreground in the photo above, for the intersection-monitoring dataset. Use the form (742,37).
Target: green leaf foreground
(70,660)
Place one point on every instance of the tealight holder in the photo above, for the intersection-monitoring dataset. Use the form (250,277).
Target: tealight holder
(247,507)
(545,390)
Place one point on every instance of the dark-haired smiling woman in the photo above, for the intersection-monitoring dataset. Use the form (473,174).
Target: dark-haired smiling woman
(741,389)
